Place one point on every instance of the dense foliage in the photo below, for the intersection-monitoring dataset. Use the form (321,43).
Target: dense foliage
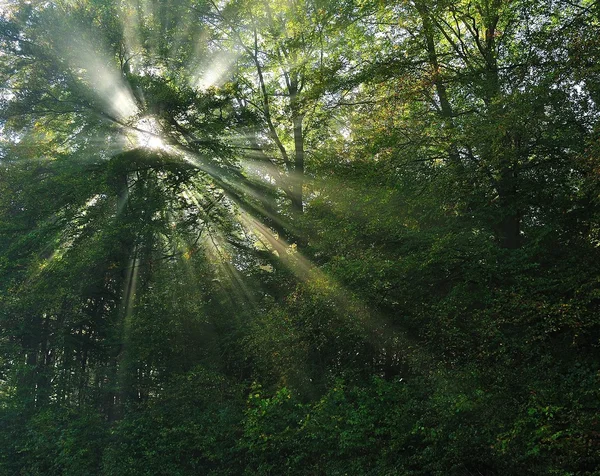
(302,237)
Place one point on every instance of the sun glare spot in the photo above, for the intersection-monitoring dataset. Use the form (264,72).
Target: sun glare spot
(154,142)
(147,134)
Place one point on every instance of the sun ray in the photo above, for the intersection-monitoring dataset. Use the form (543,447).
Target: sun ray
(347,304)
(94,68)
(220,65)
(56,250)
(215,249)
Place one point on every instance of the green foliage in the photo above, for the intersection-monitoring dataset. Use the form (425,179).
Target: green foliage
(188,431)
(52,441)
(313,237)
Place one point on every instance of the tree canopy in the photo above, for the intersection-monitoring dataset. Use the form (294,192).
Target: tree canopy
(300,237)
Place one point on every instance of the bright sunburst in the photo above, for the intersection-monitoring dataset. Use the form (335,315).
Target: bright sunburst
(148,134)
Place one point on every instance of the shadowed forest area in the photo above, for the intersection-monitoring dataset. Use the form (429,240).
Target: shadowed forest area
(313,237)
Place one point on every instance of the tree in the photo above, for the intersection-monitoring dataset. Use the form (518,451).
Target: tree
(491,92)
(287,59)
(235,240)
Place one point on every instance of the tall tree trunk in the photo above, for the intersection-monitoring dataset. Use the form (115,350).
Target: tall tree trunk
(446,111)
(508,228)
(116,384)
(294,87)
(298,179)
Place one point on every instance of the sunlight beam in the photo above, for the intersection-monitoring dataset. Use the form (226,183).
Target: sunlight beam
(221,64)
(94,68)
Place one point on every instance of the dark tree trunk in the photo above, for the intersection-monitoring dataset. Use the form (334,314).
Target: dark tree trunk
(298,179)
